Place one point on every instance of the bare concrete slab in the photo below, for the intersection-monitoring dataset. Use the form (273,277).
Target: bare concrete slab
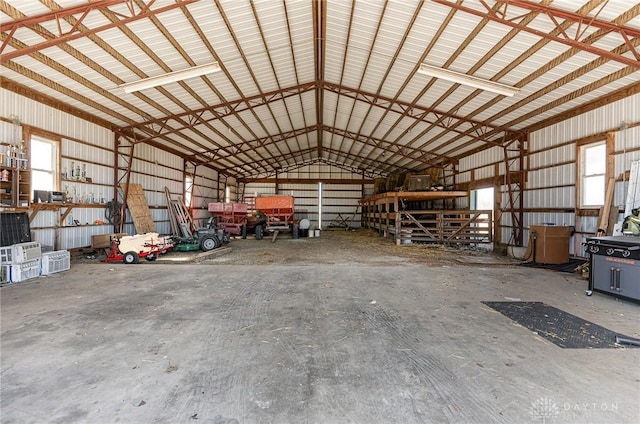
(375,335)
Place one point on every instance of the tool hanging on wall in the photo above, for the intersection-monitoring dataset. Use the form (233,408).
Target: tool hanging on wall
(112,212)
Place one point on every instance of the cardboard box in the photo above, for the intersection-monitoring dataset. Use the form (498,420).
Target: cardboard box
(551,244)
(419,183)
(103,241)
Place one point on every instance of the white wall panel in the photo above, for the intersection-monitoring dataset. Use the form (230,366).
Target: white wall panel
(553,176)
(552,158)
(339,200)
(86,143)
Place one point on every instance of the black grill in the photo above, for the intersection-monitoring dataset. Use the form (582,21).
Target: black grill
(626,247)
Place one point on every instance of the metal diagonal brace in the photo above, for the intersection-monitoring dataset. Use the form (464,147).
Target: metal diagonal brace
(625,32)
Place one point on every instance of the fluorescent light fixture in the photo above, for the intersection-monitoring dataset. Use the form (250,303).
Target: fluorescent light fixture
(176,76)
(470,80)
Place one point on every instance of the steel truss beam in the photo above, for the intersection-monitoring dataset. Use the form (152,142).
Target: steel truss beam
(508,15)
(480,130)
(215,154)
(66,35)
(161,126)
(410,153)
(365,173)
(294,155)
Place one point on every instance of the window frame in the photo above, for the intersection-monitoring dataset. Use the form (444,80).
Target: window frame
(609,141)
(56,161)
(188,190)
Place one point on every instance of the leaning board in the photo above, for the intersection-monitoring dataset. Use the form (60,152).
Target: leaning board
(139,209)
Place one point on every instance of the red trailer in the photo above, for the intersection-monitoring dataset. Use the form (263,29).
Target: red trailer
(279,213)
(232,215)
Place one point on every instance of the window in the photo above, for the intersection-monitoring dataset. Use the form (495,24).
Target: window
(593,160)
(44,163)
(188,190)
(482,199)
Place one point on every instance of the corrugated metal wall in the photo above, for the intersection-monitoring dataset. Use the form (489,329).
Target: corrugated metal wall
(551,176)
(552,169)
(82,143)
(340,202)
(204,191)
(92,145)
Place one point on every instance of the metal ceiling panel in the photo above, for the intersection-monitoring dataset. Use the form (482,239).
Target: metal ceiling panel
(322,80)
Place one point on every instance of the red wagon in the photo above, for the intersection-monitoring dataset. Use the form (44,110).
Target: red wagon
(232,215)
(279,212)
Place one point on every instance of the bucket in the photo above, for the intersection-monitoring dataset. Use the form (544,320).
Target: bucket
(311,233)
(304,232)
(317,233)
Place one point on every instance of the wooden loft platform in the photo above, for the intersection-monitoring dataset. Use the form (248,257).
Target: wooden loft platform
(392,196)
(382,213)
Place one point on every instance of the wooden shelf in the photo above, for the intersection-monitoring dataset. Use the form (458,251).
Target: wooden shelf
(17,190)
(414,195)
(67,207)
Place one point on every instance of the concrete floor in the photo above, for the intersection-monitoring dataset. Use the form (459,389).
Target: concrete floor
(345,328)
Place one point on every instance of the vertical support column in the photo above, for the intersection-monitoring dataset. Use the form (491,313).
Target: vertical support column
(116,165)
(362,205)
(514,186)
(320,205)
(497,199)
(454,175)
(218,187)
(523,180)
(126,153)
(396,211)
(611,148)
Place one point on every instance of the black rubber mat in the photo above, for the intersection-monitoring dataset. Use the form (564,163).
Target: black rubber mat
(559,327)
(568,267)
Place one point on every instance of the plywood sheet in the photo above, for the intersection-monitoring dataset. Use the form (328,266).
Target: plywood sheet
(139,209)
(103,241)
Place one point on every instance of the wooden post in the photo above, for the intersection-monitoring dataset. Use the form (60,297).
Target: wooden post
(396,211)
(603,223)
